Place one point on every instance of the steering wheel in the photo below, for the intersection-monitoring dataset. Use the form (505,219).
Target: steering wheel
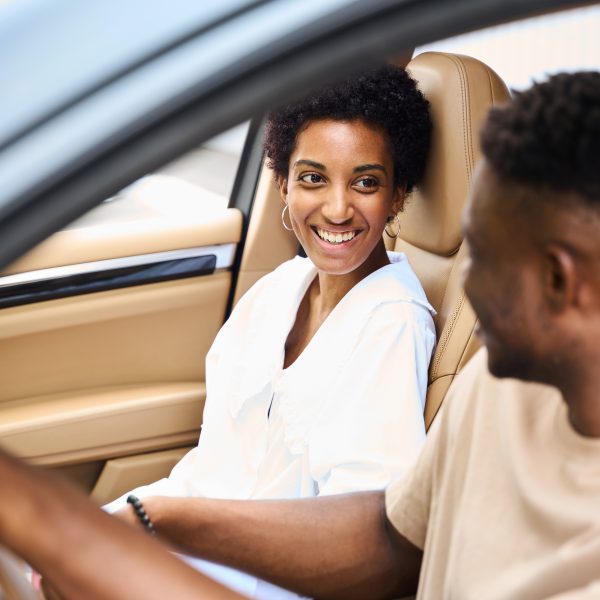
(13,582)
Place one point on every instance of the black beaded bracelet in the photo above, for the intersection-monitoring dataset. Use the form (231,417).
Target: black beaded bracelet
(141,513)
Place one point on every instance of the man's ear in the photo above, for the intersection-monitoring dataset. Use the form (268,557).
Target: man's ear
(561,282)
(282,184)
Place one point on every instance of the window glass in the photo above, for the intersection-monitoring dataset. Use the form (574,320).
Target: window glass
(201,179)
(533,48)
(213,165)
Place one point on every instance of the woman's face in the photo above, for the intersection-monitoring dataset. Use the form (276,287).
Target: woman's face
(340,191)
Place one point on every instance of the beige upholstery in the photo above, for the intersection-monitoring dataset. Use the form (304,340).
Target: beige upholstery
(460,90)
(263,253)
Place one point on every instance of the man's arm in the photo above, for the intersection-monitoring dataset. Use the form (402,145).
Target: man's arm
(334,547)
(82,551)
(330,547)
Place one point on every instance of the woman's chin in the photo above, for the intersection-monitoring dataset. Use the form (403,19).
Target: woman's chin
(335,263)
(344,257)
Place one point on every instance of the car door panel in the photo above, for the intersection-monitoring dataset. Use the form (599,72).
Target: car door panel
(157,214)
(90,375)
(119,475)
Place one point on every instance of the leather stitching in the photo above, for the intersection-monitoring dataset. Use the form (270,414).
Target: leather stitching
(468,157)
(438,404)
(442,345)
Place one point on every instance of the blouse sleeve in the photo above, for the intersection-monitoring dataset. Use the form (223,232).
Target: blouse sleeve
(372,430)
(182,480)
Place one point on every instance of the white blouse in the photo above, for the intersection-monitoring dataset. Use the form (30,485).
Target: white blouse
(347,415)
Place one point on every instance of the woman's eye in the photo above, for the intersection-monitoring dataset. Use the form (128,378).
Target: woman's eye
(311,178)
(367,183)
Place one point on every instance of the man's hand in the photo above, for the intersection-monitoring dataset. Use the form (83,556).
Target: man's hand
(81,551)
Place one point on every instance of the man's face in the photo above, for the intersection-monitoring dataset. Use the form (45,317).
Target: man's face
(501,278)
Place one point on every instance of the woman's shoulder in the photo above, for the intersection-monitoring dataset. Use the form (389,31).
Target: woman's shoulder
(280,280)
(396,283)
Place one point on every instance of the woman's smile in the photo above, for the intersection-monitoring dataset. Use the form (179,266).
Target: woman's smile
(336,237)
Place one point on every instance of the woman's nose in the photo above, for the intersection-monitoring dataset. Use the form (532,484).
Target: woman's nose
(338,205)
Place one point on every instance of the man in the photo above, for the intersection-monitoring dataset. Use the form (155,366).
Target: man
(505,499)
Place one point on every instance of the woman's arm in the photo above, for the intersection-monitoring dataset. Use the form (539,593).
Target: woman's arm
(83,552)
(334,547)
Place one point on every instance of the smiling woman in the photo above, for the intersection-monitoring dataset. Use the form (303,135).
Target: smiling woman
(300,397)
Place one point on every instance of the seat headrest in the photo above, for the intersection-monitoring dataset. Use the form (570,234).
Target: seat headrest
(460,90)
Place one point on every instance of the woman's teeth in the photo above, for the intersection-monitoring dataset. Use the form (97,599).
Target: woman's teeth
(335,238)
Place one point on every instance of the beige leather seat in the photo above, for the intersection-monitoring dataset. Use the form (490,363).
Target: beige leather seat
(461,90)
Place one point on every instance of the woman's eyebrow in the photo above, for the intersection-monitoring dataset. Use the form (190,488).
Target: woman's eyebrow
(369,167)
(310,163)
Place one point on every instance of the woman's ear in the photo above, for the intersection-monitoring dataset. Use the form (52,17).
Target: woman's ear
(398,199)
(282,184)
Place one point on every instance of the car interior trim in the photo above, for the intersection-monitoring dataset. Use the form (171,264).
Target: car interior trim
(100,423)
(71,280)
(223,253)
(244,192)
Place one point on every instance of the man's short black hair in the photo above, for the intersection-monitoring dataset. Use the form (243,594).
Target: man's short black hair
(549,136)
(385,97)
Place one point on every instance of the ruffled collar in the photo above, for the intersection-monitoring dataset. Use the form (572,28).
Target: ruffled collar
(255,356)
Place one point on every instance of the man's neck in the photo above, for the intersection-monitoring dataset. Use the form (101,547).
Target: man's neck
(583,400)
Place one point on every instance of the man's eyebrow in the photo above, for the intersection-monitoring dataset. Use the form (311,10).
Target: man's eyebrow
(369,167)
(310,163)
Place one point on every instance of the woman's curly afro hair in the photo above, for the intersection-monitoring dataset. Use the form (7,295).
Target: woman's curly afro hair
(549,136)
(386,98)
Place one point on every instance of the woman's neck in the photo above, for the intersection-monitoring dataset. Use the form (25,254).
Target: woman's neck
(327,290)
(322,296)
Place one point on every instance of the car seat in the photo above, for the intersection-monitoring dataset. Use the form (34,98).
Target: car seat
(460,90)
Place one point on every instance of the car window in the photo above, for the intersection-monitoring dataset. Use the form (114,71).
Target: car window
(214,164)
(201,179)
(530,49)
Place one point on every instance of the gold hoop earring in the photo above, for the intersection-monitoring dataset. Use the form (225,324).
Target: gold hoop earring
(283,219)
(393,235)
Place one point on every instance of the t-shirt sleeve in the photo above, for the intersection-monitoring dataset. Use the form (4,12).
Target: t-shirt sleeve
(372,428)
(409,500)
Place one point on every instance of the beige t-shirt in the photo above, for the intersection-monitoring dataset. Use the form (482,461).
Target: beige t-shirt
(505,497)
